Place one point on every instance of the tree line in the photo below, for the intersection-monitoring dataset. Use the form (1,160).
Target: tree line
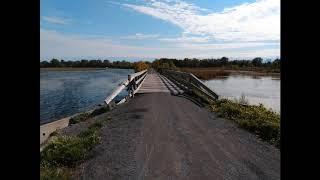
(167,63)
(87,63)
(220,62)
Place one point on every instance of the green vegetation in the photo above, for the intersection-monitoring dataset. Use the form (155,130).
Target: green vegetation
(84,116)
(219,62)
(242,100)
(53,173)
(140,66)
(86,63)
(257,119)
(204,68)
(256,64)
(163,64)
(99,111)
(64,152)
(79,118)
(206,73)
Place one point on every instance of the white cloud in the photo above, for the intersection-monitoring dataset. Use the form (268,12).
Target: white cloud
(55,44)
(185,39)
(56,20)
(58,45)
(258,21)
(141,36)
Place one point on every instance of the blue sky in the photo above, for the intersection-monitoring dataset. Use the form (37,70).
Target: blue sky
(147,29)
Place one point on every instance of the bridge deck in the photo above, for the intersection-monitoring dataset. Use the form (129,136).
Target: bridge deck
(152,84)
(155,82)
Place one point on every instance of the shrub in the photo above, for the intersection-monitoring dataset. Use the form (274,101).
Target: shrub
(257,119)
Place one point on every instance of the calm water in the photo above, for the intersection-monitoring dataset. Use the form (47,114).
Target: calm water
(257,89)
(63,93)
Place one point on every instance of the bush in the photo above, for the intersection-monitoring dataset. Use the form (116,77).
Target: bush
(257,119)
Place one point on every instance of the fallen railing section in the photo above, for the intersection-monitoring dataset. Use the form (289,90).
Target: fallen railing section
(133,83)
(188,81)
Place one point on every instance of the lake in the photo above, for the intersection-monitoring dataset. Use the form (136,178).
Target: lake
(64,93)
(256,89)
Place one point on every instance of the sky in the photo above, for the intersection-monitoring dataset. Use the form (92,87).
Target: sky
(148,29)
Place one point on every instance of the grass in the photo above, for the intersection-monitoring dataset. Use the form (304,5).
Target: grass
(84,116)
(52,173)
(256,119)
(99,111)
(64,152)
(259,120)
(79,118)
(242,100)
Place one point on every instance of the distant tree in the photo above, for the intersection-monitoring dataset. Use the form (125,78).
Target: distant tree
(224,61)
(84,63)
(106,63)
(257,61)
(55,63)
(276,63)
(140,66)
(44,64)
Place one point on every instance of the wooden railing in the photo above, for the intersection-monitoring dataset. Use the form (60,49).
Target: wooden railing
(132,84)
(188,81)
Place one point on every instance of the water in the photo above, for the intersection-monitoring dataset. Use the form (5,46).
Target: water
(64,93)
(256,89)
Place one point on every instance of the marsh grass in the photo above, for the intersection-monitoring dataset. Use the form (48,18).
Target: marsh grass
(242,100)
(206,74)
(215,72)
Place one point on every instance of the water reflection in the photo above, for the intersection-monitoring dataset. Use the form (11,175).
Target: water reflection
(257,89)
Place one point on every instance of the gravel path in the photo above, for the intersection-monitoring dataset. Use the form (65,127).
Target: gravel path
(160,136)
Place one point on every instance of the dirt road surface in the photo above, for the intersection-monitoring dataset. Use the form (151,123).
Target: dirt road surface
(160,136)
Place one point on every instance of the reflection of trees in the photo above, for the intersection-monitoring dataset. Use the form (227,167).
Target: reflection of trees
(256,77)
(222,78)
